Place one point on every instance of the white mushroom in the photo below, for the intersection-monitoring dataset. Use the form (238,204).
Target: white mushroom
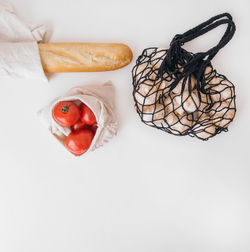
(205,98)
(178,124)
(209,72)
(171,118)
(221,89)
(205,128)
(172,104)
(219,107)
(189,102)
(165,82)
(147,93)
(204,105)
(178,88)
(153,114)
(141,71)
(224,117)
(158,57)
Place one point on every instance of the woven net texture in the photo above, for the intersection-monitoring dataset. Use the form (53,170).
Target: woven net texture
(180,92)
(175,103)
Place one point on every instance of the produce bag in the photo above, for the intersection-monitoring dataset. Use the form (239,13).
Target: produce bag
(180,92)
(100,99)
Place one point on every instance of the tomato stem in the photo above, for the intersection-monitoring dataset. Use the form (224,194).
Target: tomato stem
(65,108)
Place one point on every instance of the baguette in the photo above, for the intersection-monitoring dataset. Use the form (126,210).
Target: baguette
(83,57)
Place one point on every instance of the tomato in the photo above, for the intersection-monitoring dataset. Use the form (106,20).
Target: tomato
(87,115)
(94,128)
(79,141)
(66,113)
(79,125)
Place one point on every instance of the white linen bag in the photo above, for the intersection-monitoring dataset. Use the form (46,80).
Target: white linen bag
(19,52)
(100,99)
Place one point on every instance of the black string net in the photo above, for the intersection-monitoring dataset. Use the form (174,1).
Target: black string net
(180,92)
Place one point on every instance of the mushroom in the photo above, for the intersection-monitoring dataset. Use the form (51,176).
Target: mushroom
(219,106)
(172,104)
(178,124)
(147,93)
(178,88)
(205,127)
(176,119)
(209,72)
(189,102)
(204,105)
(153,115)
(224,117)
(142,71)
(158,57)
(220,89)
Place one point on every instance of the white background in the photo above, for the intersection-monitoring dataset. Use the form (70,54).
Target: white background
(146,190)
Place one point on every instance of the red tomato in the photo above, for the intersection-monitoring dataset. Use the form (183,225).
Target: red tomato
(87,115)
(94,128)
(79,141)
(79,125)
(66,113)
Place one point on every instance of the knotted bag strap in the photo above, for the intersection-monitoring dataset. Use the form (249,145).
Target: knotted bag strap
(197,62)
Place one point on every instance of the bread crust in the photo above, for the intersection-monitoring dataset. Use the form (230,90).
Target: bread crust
(83,57)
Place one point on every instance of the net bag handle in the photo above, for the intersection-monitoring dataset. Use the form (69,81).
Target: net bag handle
(198,61)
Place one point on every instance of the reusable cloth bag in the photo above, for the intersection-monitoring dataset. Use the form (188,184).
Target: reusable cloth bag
(19,53)
(180,92)
(100,99)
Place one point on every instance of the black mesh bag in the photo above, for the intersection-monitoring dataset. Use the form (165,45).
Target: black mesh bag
(180,92)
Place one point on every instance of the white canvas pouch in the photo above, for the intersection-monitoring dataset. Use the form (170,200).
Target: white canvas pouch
(19,52)
(100,99)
